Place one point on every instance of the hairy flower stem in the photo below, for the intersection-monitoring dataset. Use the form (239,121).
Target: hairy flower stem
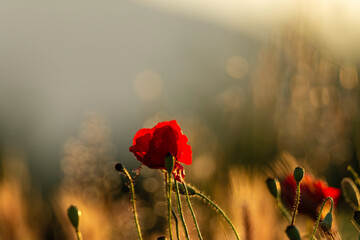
(133,201)
(220,211)
(176,225)
(180,210)
(319,216)
(296,204)
(168,194)
(192,211)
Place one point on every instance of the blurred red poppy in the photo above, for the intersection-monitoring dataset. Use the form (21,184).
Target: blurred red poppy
(151,145)
(313,193)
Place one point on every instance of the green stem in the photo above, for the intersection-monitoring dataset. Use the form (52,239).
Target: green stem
(220,211)
(319,216)
(192,211)
(78,235)
(296,203)
(180,210)
(176,225)
(168,180)
(283,210)
(355,175)
(133,201)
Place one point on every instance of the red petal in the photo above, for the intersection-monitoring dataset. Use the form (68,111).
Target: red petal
(179,172)
(171,123)
(142,132)
(185,155)
(334,193)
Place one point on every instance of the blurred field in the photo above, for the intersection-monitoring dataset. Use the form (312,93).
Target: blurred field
(249,84)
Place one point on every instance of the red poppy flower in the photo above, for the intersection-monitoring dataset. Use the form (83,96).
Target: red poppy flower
(313,193)
(151,145)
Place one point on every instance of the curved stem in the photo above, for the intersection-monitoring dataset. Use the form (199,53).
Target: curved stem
(168,191)
(220,211)
(355,175)
(283,211)
(133,201)
(319,216)
(180,210)
(192,211)
(296,203)
(176,225)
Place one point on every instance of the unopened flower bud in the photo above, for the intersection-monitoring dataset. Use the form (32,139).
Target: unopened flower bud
(356,217)
(299,174)
(191,190)
(169,163)
(351,193)
(292,233)
(274,187)
(74,215)
(119,167)
(327,222)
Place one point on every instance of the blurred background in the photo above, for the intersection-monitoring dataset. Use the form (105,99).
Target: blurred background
(246,81)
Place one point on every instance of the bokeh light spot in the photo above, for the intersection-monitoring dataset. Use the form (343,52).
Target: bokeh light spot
(348,77)
(232,99)
(148,85)
(237,67)
(151,185)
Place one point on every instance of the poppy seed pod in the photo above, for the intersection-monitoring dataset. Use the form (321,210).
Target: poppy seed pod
(169,163)
(191,190)
(274,187)
(299,174)
(74,215)
(351,193)
(327,222)
(292,233)
(119,167)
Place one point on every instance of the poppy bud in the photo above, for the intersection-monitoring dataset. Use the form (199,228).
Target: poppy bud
(74,215)
(351,193)
(299,174)
(119,167)
(191,190)
(274,187)
(169,163)
(292,233)
(327,222)
(356,217)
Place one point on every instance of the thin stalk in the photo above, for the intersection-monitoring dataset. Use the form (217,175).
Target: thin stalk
(319,216)
(220,211)
(78,235)
(355,175)
(180,210)
(133,201)
(192,211)
(355,225)
(283,210)
(176,225)
(296,203)
(168,181)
